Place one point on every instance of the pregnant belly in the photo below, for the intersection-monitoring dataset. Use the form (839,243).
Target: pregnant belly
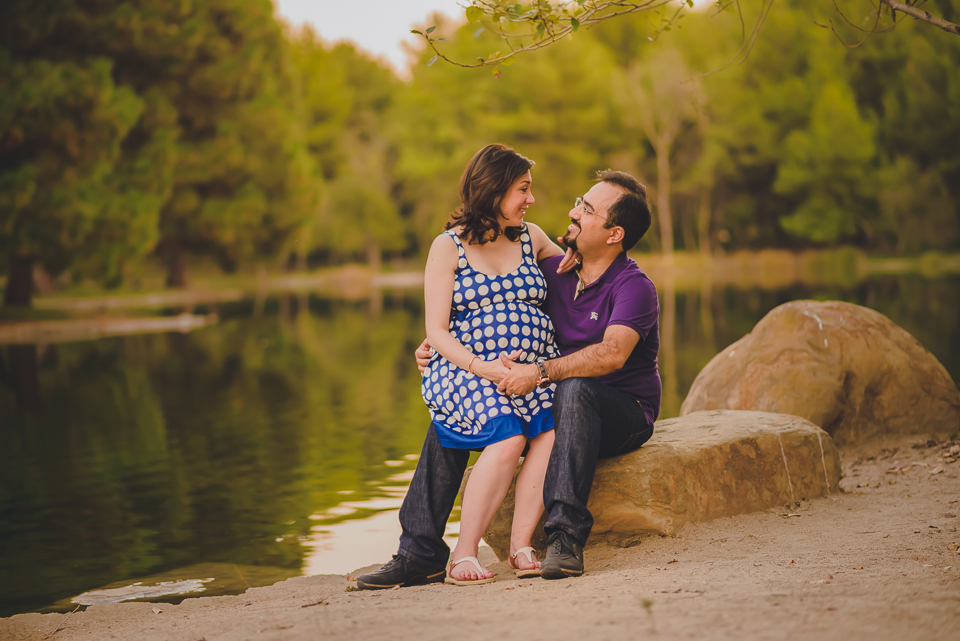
(505,327)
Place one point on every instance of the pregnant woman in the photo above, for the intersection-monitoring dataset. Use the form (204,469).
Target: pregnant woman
(483,291)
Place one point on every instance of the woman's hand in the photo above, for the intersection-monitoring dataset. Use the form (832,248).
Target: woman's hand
(493,371)
(571,259)
(423,354)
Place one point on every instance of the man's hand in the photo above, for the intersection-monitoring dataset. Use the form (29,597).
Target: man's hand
(423,354)
(570,259)
(521,379)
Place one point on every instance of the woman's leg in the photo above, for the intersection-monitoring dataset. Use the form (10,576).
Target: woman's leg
(529,505)
(488,484)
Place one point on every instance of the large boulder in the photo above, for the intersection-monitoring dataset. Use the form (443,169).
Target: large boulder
(695,468)
(846,368)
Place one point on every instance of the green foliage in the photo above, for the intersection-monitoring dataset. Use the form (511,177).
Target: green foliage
(830,164)
(187,128)
(244,182)
(85,162)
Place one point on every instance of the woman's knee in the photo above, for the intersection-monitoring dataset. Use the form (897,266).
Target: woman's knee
(506,452)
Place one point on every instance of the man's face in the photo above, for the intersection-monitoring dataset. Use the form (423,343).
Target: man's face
(586,230)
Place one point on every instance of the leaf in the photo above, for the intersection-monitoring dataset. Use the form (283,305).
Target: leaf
(432,60)
(431,29)
(540,30)
(416,31)
(495,54)
(574,24)
(496,72)
(476,34)
(474,13)
(440,39)
(507,62)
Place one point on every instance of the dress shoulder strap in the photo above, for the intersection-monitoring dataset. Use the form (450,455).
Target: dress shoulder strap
(527,243)
(456,239)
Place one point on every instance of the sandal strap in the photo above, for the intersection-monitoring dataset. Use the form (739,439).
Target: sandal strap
(528,552)
(471,559)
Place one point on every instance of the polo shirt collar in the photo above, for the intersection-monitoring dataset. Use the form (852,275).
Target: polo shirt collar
(619,263)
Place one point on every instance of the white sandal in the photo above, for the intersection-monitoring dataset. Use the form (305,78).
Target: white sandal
(480,572)
(531,558)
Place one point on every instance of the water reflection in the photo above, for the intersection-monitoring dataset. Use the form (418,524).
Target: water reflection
(283,438)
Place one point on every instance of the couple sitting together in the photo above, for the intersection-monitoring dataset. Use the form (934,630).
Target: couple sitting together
(527,355)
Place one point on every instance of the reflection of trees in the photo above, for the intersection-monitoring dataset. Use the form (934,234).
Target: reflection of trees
(155,452)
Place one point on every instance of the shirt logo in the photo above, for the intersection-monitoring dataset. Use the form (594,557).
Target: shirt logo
(593,316)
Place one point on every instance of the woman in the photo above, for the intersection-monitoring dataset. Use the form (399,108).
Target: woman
(482,291)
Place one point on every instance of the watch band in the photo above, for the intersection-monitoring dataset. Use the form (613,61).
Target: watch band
(544,381)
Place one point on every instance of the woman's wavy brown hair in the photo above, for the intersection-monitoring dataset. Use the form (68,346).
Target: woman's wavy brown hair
(483,185)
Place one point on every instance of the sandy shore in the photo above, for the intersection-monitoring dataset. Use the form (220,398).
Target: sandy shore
(878,561)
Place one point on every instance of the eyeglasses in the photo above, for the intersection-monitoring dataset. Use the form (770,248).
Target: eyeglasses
(585,208)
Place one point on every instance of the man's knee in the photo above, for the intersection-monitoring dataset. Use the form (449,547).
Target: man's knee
(572,391)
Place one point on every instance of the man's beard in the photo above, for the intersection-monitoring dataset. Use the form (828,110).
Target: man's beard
(570,240)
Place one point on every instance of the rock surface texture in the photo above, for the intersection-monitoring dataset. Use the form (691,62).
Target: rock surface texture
(695,468)
(846,368)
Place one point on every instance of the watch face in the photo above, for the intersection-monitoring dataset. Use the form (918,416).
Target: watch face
(543,383)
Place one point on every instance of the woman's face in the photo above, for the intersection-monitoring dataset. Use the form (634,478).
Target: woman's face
(514,205)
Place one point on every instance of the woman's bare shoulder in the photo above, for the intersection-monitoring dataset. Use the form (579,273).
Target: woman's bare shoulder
(542,244)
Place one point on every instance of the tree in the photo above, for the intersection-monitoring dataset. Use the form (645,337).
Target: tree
(347,101)
(244,183)
(85,162)
(659,99)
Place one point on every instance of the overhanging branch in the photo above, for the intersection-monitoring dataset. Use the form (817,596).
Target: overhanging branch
(925,16)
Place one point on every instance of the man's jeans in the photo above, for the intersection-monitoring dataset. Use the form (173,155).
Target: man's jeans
(591,420)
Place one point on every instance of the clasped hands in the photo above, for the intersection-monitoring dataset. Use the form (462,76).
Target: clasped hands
(512,378)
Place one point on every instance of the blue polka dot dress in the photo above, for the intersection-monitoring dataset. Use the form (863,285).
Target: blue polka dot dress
(492,315)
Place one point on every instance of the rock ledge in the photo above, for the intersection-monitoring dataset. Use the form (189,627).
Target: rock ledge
(695,468)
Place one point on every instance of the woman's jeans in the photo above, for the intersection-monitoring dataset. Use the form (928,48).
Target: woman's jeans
(592,421)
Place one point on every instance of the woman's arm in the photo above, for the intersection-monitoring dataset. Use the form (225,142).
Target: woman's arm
(543,247)
(438,279)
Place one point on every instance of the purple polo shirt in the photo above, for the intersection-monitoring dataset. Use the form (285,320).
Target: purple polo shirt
(624,295)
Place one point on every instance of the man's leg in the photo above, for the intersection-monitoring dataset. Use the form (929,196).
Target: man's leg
(422,556)
(591,420)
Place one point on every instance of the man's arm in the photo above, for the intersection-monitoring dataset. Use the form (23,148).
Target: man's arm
(604,357)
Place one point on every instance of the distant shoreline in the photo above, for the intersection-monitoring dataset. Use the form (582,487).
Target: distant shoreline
(764,269)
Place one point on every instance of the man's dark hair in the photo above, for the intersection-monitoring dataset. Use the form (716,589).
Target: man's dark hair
(631,211)
(483,185)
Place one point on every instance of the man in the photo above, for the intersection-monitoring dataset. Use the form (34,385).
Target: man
(605,315)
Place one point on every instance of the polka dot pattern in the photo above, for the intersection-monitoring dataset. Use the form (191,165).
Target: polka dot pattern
(491,315)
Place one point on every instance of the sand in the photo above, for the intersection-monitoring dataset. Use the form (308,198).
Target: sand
(877,561)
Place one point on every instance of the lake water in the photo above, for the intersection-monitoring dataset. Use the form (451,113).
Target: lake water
(280,441)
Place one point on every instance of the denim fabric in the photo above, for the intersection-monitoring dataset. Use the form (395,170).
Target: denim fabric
(429,501)
(591,421)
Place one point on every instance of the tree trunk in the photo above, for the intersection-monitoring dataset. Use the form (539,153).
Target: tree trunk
(667,358)
(662,149)
(177,271)
(373,256)
(703,221)
(19,291)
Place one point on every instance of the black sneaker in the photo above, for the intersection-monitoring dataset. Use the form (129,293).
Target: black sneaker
(400,571)
(564,557)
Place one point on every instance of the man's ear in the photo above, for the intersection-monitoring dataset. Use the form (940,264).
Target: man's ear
(616,235)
